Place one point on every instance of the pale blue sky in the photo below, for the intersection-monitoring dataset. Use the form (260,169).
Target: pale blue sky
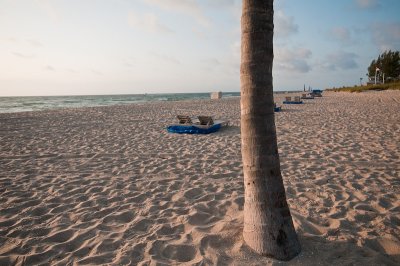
(72,47)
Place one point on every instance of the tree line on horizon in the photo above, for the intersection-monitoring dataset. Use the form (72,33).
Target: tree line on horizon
(386,69)
(387,65)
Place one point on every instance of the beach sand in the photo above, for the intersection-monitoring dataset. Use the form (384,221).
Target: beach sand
(109,185)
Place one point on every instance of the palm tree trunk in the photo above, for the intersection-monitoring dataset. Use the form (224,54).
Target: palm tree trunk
(268,226)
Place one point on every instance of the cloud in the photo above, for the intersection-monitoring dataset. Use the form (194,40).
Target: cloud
(186,7)
(234,58)
(49,68)
(128,64)
(71,70)
(35,43)
(293,60)
(147,22)
(165,58)
(386,35)
(9,40)
(220,3)
(51,11)
(340,60)
(211,62)
(341,35)
(129,61)
(234,7)
(21,55)
(236,49)
(284,25)
(13,40)
(367,4)
(96,72)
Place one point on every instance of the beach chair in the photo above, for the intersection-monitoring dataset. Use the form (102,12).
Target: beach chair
(316,93)
(205,125)
(288,100)
(205,120)
(307,96)
(184,119)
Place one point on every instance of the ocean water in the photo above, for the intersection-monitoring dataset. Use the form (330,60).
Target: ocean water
(38,103)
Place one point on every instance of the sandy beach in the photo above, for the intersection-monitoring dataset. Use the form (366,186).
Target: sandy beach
(110,186)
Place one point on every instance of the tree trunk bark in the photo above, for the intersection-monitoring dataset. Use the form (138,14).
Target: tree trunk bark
(268,226)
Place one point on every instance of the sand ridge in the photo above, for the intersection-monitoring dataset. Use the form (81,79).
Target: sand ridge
(109,185)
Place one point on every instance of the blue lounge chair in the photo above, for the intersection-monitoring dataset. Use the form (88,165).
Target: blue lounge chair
(288,100)
(206,125)
(307,96)
(316,93)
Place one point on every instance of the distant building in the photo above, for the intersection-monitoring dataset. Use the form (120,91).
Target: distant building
(216,95)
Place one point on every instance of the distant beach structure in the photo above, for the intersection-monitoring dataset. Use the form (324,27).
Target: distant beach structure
(216,95)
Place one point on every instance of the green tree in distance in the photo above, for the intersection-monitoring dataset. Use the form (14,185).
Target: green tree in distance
(387,63)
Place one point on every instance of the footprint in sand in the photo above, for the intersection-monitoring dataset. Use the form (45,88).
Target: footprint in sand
(179,253)
(175,185)
(239,203)
(39,211)
(338,212)
(214,242)
(364,207)
(202,219)
(193,193)
(167,230)
(60,237)
(142,225)
(136,255)
(124,217)
(384,245)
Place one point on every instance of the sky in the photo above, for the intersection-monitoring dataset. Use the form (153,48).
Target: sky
(85,47)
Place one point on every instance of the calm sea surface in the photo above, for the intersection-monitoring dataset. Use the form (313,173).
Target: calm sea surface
(37,103)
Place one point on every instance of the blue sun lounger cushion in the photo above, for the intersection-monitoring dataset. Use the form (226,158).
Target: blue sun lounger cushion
(206,125)
(193,129)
